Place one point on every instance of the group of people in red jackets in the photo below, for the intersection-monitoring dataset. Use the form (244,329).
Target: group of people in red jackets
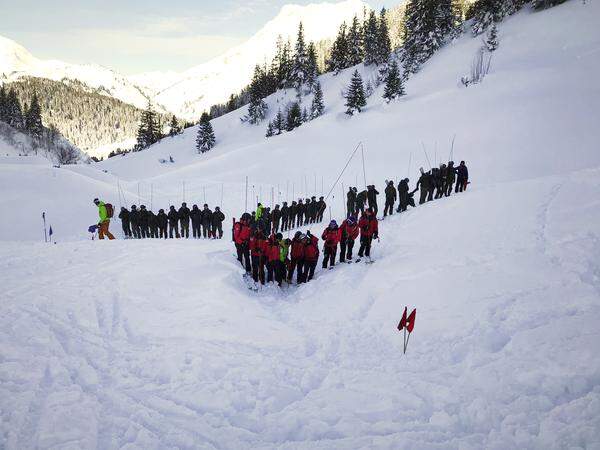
(273,259)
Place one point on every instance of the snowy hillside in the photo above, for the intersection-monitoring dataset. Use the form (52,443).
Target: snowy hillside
(16,62)
(211,83)
(159,344)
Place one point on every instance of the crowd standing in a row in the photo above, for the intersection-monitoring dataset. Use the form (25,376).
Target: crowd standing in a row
(269,257)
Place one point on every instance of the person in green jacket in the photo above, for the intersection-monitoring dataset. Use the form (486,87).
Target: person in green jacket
(284,249)
(104,221)
(259,211)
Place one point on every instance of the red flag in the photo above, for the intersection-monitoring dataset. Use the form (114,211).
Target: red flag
(402,323)
(410,322)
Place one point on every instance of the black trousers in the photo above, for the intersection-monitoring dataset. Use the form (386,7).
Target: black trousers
(271,268)
(365,246)
(346,250)
(280,272)
(163,232)
(258,268)
(144,232)
(448,187)
(126,228)
(135,230)
(389,208)
(284,223)
(218,231)
(185,228)
(374,207)
(173,227)
(309,270)
(196,233)
(243,256)
(296,264)
(329,256)
(206,230)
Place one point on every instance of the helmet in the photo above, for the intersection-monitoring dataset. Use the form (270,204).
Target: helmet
(332,224)
(279,236)
(96,201)
(351,220)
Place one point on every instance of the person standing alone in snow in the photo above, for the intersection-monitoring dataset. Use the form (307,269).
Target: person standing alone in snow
(105,215)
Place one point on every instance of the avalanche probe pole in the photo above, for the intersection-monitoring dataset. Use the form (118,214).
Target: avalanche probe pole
(246,208)
(44,220)
(452,148)
(362,149)
(409,162)
(426,156)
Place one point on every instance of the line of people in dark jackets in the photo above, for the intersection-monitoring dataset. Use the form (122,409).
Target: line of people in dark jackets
(141,223)
(268,257)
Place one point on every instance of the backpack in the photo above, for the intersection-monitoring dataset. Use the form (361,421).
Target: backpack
(110,211)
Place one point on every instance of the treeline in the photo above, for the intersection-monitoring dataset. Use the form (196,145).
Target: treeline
(27,119)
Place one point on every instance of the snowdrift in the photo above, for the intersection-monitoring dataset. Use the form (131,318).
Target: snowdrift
(154,344)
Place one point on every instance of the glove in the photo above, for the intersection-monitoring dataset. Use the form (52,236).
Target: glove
(375,235)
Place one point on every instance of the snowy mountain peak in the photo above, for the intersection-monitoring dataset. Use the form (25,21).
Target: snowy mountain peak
(14,57)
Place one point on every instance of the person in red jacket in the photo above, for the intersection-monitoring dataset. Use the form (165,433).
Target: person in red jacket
(348,234)
(257,247)
(311,256)
(331,236)
(296,258)
(272,257)
(369,230)
(241,237)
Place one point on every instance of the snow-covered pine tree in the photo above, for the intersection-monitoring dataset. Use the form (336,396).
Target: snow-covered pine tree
(205,140)
(370,39)
(355,43)
(33,120)
(355,97)
(492,38)
(148,130)
(14,112)
(270,130)
(384,45)
(294,117)
(278,122)
(305,116)
(543,4)
(257,108)
(424,28)
(312,68)
(485,13)
(175,129)
(300,61)
(317,107)
(393,83)
(338,59)
(284,72)
(3,105)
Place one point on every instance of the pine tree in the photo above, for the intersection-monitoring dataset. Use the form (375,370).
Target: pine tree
(278,123)
(3,105)
(285,65)
(492,39)
(384,46)
(312,69)
(355,43)
(33,119)
(257,108)
(14,113)
(339,52)
(294,117)
(393,83)
(205,140)
(300,61)
(305,116)
(270,130)
(149,129)
(317,107)
(485,13)
(355,97)
(175,129)
(370,39)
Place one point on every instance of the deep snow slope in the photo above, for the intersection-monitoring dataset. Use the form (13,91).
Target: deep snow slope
(154,344)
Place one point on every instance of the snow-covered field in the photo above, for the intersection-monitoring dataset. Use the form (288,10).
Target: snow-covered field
(154,344)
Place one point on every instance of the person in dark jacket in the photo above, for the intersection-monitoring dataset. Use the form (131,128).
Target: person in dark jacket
(331,236)
(351,202)
(462,177)
(173,217)
(450,178)
(143,219)
(390,198)
(311,256)
(161,221)
(425,187)
(196,217)
(372,194)
(134,219)
(321,207)
(276,218)
(125,224)
(152,225)
(293,214)
(313,210)
(285,217)
(217,223)
(300,212)
(184,220)
(403,195)
(206,222)
(361,199)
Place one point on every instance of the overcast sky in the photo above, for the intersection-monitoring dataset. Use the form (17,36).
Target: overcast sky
(135,36)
